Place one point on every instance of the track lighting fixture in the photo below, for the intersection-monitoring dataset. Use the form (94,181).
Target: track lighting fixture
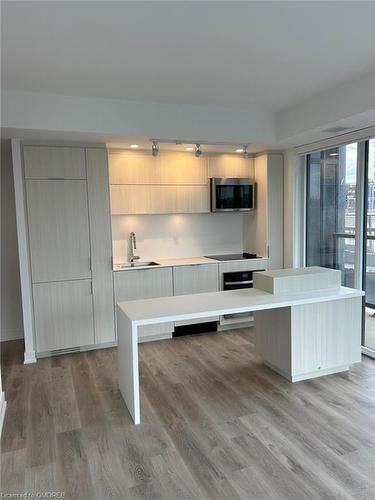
(155,148)
(198,150)
(245,153)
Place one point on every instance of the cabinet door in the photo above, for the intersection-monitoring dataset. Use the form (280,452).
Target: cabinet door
(275,211)
(129,167)
(197,278)
(145,284)
(63,315)
(42,162)
(222,165)
(101,244)
(159,199)
(58,230)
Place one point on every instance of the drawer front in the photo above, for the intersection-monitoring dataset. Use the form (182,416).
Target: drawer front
(143,284)
(197,278)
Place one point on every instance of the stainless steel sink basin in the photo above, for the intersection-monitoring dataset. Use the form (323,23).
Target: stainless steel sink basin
(136,264)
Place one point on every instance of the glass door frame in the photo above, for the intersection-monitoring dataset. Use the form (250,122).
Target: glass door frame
(361,203)
(363,243)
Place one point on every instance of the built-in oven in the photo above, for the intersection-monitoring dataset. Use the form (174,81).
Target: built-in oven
(232,194)
(233,281)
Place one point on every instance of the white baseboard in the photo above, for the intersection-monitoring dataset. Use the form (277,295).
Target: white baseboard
(11,335)
(307,376)
(29,357)
(153,338)
(3,405)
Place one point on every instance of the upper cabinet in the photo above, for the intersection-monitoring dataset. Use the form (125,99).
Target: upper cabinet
(49,162)
(173,182)
(225,165)
(129,167)
(159,199)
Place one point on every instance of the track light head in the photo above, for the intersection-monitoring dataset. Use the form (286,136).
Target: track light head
(155,148)
(245,153)
(198,150)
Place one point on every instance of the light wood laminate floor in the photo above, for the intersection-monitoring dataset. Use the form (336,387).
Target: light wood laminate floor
(216,424)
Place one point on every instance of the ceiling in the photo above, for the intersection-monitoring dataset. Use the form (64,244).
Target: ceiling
(232,54)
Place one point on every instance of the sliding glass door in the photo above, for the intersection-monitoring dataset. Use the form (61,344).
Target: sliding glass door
(369,260)
(340,220)
(331,210)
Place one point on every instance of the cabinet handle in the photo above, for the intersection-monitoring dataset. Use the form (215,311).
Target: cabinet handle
(56,178)
(247,282)
(90,263)
(92,288)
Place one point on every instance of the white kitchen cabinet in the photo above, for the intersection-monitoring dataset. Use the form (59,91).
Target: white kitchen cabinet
(58,229)
(63,313)
(145,199)
(130,167)
(226,165)
(47,162)
(265,225)
(198,278)
(146,284)
(70,247)
(101,244)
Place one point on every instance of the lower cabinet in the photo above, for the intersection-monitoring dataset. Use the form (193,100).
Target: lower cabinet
(197,278)
(63,313)
(146,284)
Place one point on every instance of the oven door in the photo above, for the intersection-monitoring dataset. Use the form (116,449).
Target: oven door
(235,281)
(232,195)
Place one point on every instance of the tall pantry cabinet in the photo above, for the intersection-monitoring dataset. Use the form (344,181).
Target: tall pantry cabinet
(69,233)
(264,232)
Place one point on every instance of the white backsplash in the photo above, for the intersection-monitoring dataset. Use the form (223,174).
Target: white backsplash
(180,235)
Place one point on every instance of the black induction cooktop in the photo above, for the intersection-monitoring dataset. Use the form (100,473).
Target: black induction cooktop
(233,256)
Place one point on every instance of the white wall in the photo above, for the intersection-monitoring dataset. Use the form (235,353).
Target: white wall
(119,118)
(11,308)
(346,101)
(180,235)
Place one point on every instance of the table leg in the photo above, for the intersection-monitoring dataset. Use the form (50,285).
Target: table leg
(128,365)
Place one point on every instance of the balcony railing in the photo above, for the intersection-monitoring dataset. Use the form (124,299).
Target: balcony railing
(344,260)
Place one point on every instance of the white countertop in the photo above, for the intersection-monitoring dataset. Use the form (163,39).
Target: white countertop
(182,261)
(185,307)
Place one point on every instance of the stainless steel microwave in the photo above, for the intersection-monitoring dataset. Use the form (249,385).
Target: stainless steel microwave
(232,194)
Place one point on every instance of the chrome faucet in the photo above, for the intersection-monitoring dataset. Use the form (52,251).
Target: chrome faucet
(133,246)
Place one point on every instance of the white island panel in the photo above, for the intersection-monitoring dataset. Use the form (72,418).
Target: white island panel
(297,280)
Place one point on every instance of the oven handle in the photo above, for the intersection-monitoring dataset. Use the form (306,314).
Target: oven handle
(248,282)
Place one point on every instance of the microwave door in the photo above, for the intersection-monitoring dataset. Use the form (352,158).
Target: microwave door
(230,195)
(245,197)
(225,197)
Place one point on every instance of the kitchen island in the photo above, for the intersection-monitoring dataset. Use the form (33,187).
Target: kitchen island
(308,326)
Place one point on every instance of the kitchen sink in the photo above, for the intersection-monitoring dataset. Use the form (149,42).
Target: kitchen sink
(136,264)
